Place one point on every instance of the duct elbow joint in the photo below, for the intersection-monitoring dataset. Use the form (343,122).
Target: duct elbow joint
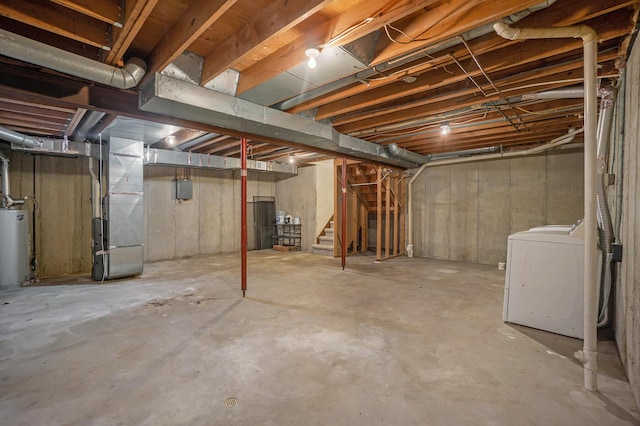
(505,31)
(130,75)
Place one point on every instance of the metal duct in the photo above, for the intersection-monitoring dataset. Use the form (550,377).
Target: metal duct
(603,132)
(398,152)
(171,97)
(163,157)
(17,138)
(119,236)
(41,54)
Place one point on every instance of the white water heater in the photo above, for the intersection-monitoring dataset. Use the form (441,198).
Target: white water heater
(14,247)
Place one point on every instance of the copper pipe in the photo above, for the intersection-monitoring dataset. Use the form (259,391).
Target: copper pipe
(243,209)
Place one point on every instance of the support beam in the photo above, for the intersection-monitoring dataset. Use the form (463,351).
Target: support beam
(243,210)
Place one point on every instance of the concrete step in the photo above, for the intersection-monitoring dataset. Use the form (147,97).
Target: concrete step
(322,250)
(326,240)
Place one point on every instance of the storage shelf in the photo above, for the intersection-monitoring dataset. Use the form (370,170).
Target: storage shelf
(287,237)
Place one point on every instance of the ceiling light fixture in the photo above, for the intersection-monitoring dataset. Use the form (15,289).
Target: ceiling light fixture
(445,129)
(171,140)
(292,159)
(312,53)
(409,79)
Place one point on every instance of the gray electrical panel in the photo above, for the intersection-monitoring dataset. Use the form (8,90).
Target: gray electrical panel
(184,189)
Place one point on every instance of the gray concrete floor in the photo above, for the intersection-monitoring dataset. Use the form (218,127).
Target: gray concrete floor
(403,342)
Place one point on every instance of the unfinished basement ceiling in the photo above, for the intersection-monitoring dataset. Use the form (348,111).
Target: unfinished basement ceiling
(389,72)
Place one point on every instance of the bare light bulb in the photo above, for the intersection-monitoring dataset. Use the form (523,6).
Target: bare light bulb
(312,53)
(171,140)
(292,159)
(445,129)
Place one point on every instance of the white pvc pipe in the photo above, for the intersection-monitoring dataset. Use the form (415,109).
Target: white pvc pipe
(4,186)
(95,191)
(588,355)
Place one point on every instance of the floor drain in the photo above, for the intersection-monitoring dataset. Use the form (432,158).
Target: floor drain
(231,402)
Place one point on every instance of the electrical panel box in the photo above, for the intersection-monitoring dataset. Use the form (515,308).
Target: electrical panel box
(184,189)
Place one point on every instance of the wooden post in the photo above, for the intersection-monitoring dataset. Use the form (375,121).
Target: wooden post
(387,222)
(396,213)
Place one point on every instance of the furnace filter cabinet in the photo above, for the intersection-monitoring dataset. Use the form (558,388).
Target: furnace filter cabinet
(544,283)
(14,247)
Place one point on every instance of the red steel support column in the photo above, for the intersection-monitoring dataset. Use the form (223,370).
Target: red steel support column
(344,212)
(243,209)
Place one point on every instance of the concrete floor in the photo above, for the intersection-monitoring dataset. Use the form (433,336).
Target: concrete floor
(403,342)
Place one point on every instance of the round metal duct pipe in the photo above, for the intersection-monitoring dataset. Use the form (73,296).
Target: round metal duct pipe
(34,52)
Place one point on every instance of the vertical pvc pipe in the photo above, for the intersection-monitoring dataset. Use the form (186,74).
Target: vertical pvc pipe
(243,209)
(590,349)
(344,212)
(588,354)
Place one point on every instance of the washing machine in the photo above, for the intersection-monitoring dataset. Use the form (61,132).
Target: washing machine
(544,283)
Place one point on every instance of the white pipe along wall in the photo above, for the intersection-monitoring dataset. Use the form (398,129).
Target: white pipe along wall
(588,355)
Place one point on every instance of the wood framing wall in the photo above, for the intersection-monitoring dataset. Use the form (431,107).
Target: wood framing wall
(371,189)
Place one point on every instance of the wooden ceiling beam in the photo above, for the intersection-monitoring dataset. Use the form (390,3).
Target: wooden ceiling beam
(450,19)
(382,12)
(200,15)
(103,10)
(277,18)
(497,61)
(135,15)
(569,70)
(479,46)
(33,110)
(556,126)
(58,20)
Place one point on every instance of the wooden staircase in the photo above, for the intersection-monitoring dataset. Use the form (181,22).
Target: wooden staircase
(325,242)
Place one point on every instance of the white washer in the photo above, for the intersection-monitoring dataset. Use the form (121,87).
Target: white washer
(544,282)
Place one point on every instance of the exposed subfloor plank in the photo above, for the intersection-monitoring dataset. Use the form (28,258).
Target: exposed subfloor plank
(407,341)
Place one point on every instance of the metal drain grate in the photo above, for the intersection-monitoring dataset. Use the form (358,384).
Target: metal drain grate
(231,402)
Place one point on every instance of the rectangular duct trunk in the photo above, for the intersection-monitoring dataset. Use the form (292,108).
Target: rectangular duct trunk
(174,98)
(119,236)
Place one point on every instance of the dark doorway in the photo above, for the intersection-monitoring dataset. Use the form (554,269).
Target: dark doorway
(264,216)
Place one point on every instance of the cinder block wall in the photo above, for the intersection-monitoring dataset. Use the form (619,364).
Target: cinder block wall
(467,211)
(627,297)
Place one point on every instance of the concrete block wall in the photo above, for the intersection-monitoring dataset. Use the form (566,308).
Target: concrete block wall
(467,211)
(627,289)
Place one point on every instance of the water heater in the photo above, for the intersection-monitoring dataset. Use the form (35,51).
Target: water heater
(14,247)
